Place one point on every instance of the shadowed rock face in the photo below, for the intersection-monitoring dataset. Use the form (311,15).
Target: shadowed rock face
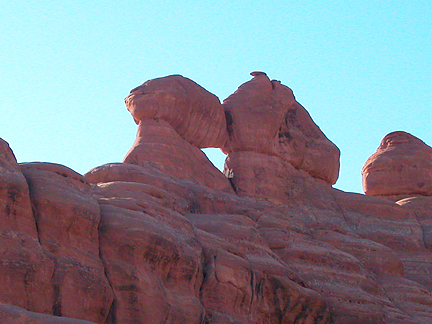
(401,167)
(164,238)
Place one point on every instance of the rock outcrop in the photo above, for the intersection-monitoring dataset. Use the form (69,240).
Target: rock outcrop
(271,137)
(264,117)
(176,118)
(401,167)
(26,268)
(164,238)
(67,217)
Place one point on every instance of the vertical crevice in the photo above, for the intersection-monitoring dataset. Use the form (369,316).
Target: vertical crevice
(36,219)
(33,207)
(232,184)
(56,308)
(229,122)
(111,317)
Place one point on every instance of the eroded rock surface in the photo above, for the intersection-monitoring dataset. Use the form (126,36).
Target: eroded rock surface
(159,145)
(176,117)
(264,117)
(401,167)
(10,314)
(162,238)
(26,268)
(273,143)
(67,217)
(195,114)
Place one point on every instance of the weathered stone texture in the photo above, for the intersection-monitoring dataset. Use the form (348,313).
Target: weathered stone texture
(401,167)
(165,237)
(264,117)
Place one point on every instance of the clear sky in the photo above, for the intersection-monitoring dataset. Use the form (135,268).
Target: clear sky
(361,68)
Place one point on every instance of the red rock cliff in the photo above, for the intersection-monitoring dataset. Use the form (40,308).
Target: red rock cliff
(166,238)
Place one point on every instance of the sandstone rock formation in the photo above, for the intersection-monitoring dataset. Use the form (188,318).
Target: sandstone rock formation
(264,117)
(142,242)
(25,265)
(271,136)
(401,167)
(67,218)
(176,117)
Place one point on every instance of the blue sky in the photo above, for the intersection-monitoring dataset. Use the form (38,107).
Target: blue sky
(362,69)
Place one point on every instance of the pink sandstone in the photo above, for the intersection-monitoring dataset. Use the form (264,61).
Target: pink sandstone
(176,117)
(401,167)
(264,117)
(162,237)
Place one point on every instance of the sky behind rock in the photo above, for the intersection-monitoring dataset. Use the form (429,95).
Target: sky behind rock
(361,69)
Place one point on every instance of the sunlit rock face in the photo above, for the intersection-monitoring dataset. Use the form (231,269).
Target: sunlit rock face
(269,138)
(176,117)
(67,217)
(26,268)
(166,238)
(194,113)
(264,117)
(401,167)
(272,141)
